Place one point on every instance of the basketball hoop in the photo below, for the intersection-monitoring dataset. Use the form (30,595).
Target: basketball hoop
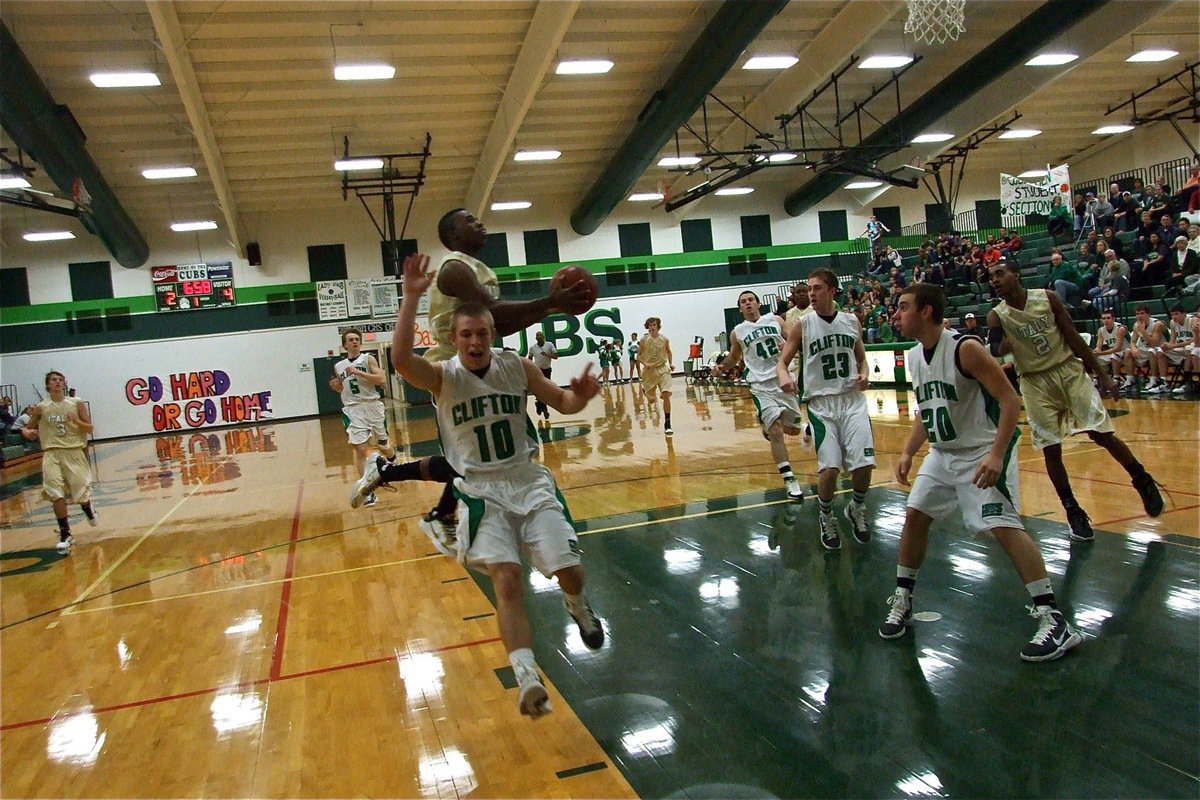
(935,21)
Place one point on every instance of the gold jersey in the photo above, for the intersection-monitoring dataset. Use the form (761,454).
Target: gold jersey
(55,429)
(441,306)
(1037,344)
(653,351)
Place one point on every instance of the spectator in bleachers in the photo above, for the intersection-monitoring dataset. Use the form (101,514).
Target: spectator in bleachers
(1010,241)
(1145,342)
(1183,198)
(1100,211)
(1125,212)
(1159,202)
(1194,239)
(935,275)
(1152,269)
(1064,281)
(897,278)
(1112,291)
(1114,194)
(920,273)
(1114,242)
(1166,229)
(971,325)
(22,419)
(1138,193)
(7,418)
(1148,226)
(893,255)
(874,232)
(879,265)
(1058,225)
(1080,209)
(1184,266)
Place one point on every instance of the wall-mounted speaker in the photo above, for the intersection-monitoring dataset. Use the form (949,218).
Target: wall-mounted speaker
(254,254)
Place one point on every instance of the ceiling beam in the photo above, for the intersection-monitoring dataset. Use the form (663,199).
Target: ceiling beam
(175,48)
(550,21)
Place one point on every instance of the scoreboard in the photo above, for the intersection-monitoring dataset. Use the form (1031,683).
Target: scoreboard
(188,286)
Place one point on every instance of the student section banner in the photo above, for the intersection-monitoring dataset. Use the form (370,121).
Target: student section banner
(1032,195)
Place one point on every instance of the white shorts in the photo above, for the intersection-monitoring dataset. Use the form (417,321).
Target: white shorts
(775,404)
(1111,358)
(1142,355)
(1194,350)
(842,431)
(66,475)
(1176,355)
(656,378)
(522,512)
(943,484)
(362,420)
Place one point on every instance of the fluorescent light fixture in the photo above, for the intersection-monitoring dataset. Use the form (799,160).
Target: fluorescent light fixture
(353,164)
(770,62)
(1020,133)
(1107,130)
(513,205)
(932,137)
(1151,55)
(779,158)
(122,80)
(1051,60)
(583,66)
(184,227)
(1033,173)
(364,72)
(536,155)
(161,173)
(884,62)
(643,197)
(735,190)
(14,183)
(48,236)
(678,161)
(864,184)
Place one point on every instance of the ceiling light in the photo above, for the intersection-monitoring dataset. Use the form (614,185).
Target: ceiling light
(364,72)
(184,227)
(932,137)
(779,158)
(536,155)
(1051,60)
(1020,133)
(161,173)
(595,66)
(678,161)
(48,236)
(884,62)
(642,197)
(1033,173)
(352,164)
(864,184)
(1106,130)
(1151,55)
(736,190)
(121,80)
(14,183)
(770,62)
(514,205)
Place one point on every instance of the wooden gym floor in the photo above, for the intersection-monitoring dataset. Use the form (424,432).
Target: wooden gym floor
(233,629)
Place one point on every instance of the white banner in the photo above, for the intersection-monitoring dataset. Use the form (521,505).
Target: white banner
(358,297)
(331,300)
(1021,196)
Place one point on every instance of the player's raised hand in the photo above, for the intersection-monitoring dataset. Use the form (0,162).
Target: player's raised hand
(586,385)
(416,273)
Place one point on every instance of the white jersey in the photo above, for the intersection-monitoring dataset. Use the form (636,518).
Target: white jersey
(1182,333)
(957,412)
(762,342)
(482,421)
(354,389)
(1108,339)
(830,366)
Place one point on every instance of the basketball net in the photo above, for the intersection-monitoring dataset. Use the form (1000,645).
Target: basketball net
(935,21)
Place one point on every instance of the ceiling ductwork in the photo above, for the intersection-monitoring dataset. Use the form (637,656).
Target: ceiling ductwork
(47,132)
(718,47)
(992,64)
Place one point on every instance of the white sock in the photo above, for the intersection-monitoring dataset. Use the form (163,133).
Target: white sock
(523,664)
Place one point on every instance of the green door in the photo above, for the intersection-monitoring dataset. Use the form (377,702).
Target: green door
(328,401)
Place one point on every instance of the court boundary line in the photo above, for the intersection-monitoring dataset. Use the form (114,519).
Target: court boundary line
(285,596)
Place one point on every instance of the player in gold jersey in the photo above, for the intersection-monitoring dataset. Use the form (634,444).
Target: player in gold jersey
(1060,400)
(62,424)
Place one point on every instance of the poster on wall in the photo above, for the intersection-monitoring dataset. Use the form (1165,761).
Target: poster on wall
(198,399)
(331,300)
(1033,195)
(384,294)
(358,298)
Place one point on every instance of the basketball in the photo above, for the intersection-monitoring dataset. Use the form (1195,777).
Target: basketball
(572,275)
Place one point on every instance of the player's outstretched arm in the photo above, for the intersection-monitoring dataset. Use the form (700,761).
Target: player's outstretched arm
(456,279)
(413,368)
(30,431)
(731,360)
(566,401)
(792,346)
(916,438)
(979,364)
(997,341)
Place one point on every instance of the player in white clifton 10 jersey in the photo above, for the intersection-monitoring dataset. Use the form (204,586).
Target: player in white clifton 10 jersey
(757,341)
(969,417)
(835,374)
(511,504)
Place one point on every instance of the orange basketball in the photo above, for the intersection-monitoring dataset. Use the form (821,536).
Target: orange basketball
(573,275)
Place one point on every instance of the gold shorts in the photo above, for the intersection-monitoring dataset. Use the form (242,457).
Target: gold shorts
(1060,402)
(66,474)
(656,378)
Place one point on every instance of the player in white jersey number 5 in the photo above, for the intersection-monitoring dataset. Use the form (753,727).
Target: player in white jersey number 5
(758,341)
(969,417)
(511,503)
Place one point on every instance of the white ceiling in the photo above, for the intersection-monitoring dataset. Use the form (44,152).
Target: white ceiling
(479,77)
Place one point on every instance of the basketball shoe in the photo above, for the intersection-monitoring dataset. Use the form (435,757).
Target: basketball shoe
(591,629)
(364,490)
(794,492)
(898,618)
(1081,525)
(533,699)
(1054,636)
(831,538)
(441,531)
(65,540)
(1147,489)
(857,514)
